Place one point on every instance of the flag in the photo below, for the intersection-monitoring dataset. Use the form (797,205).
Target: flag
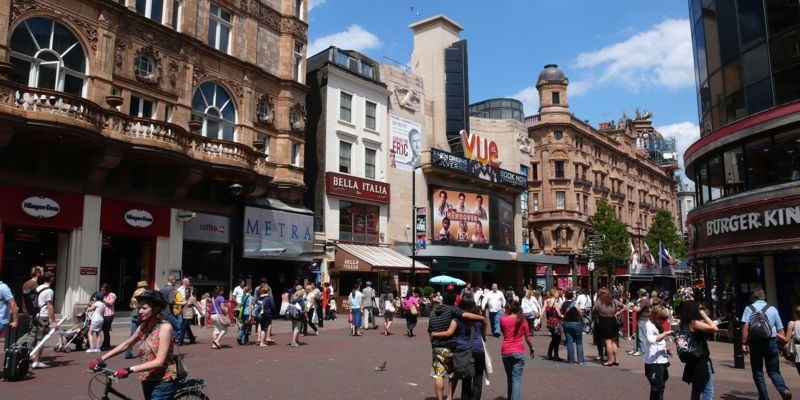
(647,254)
(664,258)
(634,256)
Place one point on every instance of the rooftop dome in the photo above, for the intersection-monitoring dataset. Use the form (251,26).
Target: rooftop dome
(551,73)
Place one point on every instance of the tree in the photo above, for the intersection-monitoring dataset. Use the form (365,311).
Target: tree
(616,247)
(665,232)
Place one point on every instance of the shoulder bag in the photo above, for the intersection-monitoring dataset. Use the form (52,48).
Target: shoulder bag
(222,318)
(463,361)
(689,349)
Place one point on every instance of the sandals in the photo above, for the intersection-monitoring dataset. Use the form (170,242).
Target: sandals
(215,345)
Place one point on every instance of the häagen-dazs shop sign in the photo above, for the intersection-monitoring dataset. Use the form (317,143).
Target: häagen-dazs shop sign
(40,207)
(138,218)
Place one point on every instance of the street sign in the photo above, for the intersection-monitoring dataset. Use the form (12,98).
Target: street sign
(597,238)
(591,266)
(597,252)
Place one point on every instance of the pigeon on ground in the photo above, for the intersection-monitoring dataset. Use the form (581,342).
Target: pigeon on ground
(381,368)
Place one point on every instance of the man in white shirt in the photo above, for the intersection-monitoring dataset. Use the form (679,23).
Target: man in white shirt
(46,316)
(495,302)
(583,302)
(238,292)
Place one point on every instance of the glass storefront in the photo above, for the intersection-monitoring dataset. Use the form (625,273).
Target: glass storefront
(358,223)
(22,249)
(206,265)
(125,261)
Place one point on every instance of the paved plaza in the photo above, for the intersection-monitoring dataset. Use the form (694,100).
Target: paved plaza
(335,365)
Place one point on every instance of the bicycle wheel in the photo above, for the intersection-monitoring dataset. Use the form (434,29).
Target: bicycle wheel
(587,325)
(190,394)
(97,386)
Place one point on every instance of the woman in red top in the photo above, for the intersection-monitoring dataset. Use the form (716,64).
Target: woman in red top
(514,327)
(157,370)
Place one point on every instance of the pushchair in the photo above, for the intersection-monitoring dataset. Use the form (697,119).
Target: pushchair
(77,335)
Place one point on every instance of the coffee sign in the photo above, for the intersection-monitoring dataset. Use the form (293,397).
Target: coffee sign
(138,218)
(40,207)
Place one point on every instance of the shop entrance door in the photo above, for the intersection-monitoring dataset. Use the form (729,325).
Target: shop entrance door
(22,249)
(124,261)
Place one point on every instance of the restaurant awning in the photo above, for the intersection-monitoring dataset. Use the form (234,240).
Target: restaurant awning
(364,258)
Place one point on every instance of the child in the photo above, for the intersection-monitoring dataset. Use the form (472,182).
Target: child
(96,325)
(66,336)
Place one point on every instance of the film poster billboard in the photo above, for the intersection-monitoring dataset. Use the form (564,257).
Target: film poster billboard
(406,143)
(460,217)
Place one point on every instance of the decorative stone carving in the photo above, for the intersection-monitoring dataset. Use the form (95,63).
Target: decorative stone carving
(88,29)
(525,143)
(172,74)
(199,74)
(155,77)
(265,109)
(297,117)
(122,45)
(19,7)
(407,98)
(236,86)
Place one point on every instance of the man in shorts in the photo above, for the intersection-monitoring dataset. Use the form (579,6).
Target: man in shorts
(442,348)
(46,317)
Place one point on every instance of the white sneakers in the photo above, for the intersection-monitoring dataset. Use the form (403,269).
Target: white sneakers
(93,350)
(38,364)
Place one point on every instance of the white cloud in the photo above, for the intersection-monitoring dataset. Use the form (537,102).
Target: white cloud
(529,98)
(354,38)
(685,133)
(314,3)
(659,57)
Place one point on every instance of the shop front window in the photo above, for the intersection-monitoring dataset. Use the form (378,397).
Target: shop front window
(358,223)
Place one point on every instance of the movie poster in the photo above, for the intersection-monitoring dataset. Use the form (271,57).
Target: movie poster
(406,143)
(460,218)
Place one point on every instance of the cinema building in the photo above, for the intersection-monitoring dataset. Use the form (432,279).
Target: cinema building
(133,134)
(745,230)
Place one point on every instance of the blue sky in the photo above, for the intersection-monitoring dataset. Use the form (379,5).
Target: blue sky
(618,55)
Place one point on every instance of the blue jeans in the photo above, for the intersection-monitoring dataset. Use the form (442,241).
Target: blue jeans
(513,364)
(708,390)
(764,352)
(641,332)
(134,325)
(574,333)
(494,318)
(179,333)
(158,390)
(169,317)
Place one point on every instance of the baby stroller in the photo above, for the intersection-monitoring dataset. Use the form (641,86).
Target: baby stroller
(75,335)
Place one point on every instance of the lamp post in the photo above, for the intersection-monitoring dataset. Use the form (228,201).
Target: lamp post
(414,226)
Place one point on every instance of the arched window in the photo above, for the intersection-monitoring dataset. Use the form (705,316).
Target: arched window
(47,55)
(214,106)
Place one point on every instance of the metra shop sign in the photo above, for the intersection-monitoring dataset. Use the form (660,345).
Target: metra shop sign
(40,207)
(358,188)
(138,218)
(270,232)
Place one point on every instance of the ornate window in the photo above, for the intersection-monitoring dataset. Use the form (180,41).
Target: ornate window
(213,105)
(47,55)
(297,118)
(147,66)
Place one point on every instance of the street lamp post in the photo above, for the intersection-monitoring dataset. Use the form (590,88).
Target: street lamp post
(413,225)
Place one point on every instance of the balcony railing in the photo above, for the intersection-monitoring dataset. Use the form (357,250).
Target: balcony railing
(582,181)
(59,107)
(617,195)
(602,189)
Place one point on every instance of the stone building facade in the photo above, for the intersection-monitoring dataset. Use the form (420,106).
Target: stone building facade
(173,114)
(573,165)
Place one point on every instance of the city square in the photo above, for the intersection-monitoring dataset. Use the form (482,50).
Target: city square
(336,365)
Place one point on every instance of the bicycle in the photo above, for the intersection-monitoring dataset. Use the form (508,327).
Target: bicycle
(587,323)
(103,378)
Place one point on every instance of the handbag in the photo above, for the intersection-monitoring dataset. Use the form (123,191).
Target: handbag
(388,306)
(221,318)
(464,362)
(413,310)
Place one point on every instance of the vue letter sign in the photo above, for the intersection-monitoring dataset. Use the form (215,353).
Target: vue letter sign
(480,149)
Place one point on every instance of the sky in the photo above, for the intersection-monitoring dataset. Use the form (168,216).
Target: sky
(618,55)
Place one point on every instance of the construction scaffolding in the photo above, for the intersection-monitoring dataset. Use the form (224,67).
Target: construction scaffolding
(662,151)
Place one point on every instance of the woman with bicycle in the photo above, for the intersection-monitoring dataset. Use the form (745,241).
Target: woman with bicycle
(157,370)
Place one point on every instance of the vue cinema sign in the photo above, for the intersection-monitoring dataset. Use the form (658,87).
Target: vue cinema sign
(480,149)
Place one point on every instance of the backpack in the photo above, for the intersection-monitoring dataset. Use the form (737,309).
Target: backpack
(688,348)
(258,307)
(760,328)
(31,299)
(293,312)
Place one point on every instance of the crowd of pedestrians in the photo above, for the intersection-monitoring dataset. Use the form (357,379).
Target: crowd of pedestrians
(458,324)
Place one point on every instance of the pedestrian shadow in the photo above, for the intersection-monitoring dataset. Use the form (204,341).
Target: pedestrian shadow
(739,395)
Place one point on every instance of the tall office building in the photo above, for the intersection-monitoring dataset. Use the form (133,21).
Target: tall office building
(745,229)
